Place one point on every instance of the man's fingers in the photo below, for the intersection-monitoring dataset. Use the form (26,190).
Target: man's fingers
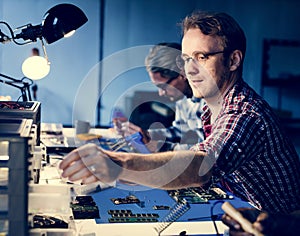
(68,159)
(261,221)
(90,179)
(258,226)
(239,233)
(77,154)
(72,170)
(234,227)
(90,163)
(130,127)
(231,223)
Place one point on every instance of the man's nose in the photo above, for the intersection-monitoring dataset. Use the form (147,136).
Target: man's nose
(191,67)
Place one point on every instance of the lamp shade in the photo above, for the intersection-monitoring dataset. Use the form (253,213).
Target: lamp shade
(60,20)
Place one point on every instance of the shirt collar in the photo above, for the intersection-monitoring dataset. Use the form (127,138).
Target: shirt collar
(229,96)
(195,100)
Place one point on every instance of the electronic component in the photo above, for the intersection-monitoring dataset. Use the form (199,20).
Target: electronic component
(84,207)
(199,195)
(84,200)
(189,194)
(126,216)
(44,221)
(127,200)
(85,212)
(21,110)
(161,207)
(219,193)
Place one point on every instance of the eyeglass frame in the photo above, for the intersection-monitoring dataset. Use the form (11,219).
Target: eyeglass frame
(163,86)
(180,61)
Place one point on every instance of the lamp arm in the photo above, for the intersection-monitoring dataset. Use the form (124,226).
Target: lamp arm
(10,78)
(10,83)
(24,87)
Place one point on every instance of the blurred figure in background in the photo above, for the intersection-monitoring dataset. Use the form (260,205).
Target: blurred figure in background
(186,129)
(34,87)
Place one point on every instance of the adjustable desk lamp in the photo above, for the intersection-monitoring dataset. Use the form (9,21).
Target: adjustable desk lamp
(60,21)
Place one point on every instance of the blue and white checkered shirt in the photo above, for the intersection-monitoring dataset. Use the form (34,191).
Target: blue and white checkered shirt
(186,129)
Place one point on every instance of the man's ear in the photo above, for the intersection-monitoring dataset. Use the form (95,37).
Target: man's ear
(235,60)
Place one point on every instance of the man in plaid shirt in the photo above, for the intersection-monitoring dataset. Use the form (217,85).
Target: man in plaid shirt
(245,148)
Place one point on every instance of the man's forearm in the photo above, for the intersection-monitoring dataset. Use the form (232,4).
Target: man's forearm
(168,170)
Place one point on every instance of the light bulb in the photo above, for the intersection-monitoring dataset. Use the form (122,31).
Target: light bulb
(67,35)
(36,67)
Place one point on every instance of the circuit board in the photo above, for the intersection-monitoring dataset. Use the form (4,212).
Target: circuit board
(199,195)
(134,203)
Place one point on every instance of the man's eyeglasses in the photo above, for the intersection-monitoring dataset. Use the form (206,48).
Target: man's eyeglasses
(163,86)
(199,57)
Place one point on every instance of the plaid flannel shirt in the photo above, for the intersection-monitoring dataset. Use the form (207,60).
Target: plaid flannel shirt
(254,158)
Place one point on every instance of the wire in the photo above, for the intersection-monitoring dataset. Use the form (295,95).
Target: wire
(205,217)
(10,30)
(214,217)
(19,98)
(12,34)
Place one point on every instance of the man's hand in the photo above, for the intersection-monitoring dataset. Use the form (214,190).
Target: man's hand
(267,224)
(118,124)
(90,163)
(126,128)
(235,228)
